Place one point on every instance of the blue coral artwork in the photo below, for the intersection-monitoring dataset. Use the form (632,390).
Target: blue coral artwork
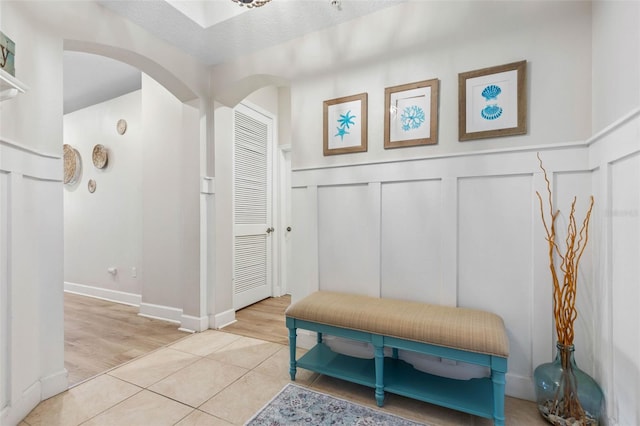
(410,114)
(412,118)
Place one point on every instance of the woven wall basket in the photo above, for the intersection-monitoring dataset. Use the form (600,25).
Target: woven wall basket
(100,156)
(72,164)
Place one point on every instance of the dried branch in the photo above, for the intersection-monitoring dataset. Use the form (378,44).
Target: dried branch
(564,295)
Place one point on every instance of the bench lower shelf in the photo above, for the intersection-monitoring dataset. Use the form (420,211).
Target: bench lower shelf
(474,396)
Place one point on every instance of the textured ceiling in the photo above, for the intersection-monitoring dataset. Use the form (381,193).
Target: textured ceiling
(215,33)
(255,29)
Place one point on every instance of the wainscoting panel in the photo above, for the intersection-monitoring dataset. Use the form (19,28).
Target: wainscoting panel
(304,235)
(348,238)
(31,266)
(625,268)
(4,294)
(465,230)
(458,230)
(411,241)
(495,256)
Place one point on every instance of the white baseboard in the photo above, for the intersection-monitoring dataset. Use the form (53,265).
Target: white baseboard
(19,408)
(222,319)
(193,324)
(165,313)
(520,387)
(55,383)
(103,293)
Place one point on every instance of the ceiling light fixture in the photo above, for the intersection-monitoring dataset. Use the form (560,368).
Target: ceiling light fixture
(251,3)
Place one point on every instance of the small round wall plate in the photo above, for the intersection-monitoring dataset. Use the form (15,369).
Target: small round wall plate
(91,185)
(100,156)
(121,126)
(72,165)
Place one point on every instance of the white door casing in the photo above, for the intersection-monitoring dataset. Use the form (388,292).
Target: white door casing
(284,215)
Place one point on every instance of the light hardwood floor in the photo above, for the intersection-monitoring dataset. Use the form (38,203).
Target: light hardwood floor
(100,335)
(263,320)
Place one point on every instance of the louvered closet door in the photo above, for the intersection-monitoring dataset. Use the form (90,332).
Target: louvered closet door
(252,207)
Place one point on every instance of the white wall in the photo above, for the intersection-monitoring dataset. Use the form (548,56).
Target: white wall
(104,229)
(143,218)
(31,189)
(31,240)
(616,98)
(457,223)
(616,62)
(170,204)
(415,41)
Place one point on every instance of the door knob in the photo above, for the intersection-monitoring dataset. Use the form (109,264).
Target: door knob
(288,229)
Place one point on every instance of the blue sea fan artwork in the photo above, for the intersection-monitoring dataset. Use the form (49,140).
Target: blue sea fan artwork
(491,112)
(412,117)
(491,92)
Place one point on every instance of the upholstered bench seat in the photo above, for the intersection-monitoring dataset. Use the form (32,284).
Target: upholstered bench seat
(461,334)
(460,328)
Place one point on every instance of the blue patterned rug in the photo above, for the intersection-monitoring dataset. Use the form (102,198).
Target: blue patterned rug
(296,405)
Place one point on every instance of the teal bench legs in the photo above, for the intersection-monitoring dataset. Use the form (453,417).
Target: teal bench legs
(292,353)
(498,370)
(378,346)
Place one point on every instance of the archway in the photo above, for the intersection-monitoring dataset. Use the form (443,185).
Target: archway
(159,156)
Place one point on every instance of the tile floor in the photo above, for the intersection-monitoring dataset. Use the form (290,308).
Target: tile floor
(216,378)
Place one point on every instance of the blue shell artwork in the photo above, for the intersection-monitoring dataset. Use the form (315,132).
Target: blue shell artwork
(344,123)
(491,92)
(412,118)
(491,112)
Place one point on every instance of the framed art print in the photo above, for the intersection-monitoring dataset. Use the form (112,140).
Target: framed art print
(492,102)
(345,125)
(411,114)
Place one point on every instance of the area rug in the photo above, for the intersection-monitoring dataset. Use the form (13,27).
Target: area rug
(296,405)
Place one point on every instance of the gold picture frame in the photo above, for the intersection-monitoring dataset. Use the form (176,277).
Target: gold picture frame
(345,125)
(492,102)
(411,114)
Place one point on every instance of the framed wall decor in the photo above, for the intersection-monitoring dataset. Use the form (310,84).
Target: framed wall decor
(492,102)
(411,114)
(345,125)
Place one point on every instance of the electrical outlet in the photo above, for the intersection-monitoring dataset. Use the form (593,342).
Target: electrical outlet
(134,272)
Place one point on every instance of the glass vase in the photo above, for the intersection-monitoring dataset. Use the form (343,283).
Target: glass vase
(565,394)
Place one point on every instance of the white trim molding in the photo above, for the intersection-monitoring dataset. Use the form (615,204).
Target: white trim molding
(222,319)
(104,293)
(165,313)
(193,324)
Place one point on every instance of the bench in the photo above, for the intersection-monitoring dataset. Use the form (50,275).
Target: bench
(460,334)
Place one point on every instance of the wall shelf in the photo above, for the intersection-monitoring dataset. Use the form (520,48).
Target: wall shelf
(10,86)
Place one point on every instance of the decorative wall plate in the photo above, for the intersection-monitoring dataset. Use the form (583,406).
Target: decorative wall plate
(72,164)
(121,126)
(100,156)
(91,185)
